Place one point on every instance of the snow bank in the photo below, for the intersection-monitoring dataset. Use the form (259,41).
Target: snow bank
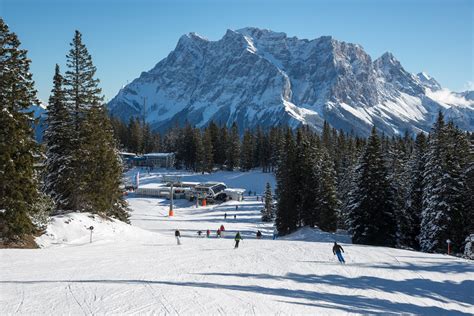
(73,229)
(317,235)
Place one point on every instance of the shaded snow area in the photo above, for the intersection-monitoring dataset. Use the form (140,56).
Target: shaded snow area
(139,268)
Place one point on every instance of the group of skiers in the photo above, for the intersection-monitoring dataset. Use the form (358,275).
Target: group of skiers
(219,233)
(336,249)
(235,215)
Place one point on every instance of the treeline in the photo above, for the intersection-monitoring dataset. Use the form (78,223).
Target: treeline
(395,191)
(204,149)
(78,167)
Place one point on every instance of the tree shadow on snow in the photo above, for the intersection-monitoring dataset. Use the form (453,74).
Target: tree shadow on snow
(429,266)
(446,291)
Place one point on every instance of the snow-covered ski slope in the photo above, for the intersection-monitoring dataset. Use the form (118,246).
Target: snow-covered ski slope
(139,269)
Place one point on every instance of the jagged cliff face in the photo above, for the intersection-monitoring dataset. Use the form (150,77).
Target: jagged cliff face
(259,77)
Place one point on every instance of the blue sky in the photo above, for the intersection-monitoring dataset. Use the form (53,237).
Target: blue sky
(128,37)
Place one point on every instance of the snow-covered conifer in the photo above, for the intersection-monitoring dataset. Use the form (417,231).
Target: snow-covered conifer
(371,208)
(18,150)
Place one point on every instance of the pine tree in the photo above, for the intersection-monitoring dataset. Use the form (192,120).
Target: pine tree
(397,160)
(457,159)
(18,178)
(306,175)
(208,154)
(413,206)
(345,176)
(233,148)
(371,209)
(247,152)
(94,159)
(469,188)
(82,89)
(286,216)
(268,212)
(328,203)
(147,139)
(199,155)
(445,213)
(222,144)
(57,139)
(101,168)
(135,143)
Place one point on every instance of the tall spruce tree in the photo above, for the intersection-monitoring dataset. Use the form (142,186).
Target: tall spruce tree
(82,90)
(445,214)
(327,199)
(371,209)
(268,212)
(208,154)
(94,158)
(247,151)
(469,188)
(306,176)
(414,202)
(233,148)
(18,179)
(397,160)
(286,215)
(57,139)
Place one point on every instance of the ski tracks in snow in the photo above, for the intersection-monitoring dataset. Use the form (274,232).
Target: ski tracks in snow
(18,308)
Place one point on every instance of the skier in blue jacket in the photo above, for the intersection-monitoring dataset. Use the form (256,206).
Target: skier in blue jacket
(337,251)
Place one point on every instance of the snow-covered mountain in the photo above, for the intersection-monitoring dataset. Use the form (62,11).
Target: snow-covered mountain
(39,114)
(260,77)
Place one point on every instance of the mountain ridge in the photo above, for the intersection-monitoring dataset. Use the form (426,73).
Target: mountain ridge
(254,76)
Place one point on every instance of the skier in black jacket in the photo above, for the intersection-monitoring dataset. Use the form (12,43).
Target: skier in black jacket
(336,249)
(177,234)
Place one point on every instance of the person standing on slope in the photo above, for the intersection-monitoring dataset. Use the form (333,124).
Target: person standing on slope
(337,251)
(208,233)
(222,228)
(237,239)
(177,234)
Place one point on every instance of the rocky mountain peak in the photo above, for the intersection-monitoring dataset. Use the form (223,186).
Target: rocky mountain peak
(255,76)
(428,81)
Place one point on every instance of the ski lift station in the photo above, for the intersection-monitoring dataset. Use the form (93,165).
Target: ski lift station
(211,191)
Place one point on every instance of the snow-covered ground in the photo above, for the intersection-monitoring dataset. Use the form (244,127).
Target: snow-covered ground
(139,269)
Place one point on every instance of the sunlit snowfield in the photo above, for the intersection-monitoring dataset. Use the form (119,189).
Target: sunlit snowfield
(139,269)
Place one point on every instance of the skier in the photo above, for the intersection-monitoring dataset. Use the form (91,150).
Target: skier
(199,233)
(177,234)
(275,234)
(235,216)
(218,233)
(208,233)
(225,215)
(236,207)
(337,251)
(237,239)
(222,230)
(259,234)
